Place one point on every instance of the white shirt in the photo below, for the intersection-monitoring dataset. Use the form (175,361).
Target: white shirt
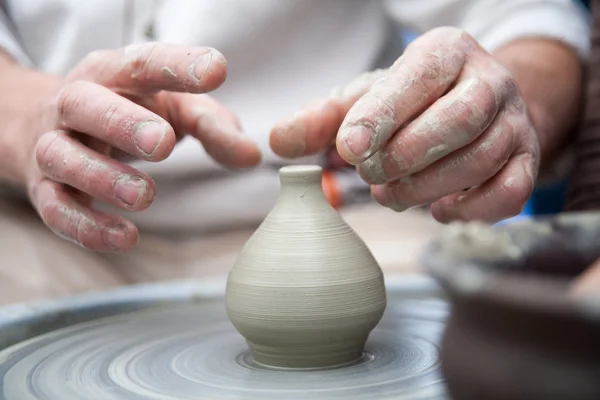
(280,53)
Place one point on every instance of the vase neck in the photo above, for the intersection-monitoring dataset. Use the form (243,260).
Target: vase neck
(301,183)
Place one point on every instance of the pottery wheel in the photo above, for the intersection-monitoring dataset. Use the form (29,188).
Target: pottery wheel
(191,351)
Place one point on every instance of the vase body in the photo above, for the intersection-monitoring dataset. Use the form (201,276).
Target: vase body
(305,291)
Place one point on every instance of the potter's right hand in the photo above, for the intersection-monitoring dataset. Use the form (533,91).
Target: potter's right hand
(117,105)
(588,283)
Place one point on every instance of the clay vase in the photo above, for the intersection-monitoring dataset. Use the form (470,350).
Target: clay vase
(516,330)
(305,291)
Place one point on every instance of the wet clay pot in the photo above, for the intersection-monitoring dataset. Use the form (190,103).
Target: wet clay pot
(305,290)
(515,331)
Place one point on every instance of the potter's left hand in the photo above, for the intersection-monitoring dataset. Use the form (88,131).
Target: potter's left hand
(444,118)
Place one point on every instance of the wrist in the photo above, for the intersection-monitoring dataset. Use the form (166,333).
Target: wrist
(23,95)
(549,75)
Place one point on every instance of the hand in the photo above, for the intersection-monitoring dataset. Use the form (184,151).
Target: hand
(133,102)
(445,125)
(588,283)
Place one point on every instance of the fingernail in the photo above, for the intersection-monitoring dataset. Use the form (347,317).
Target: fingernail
(130,189)
(148,135)
(357,140)
(198,68)
(227,126)
(116,237)
(396,207)
(318,105)
(289,139)
(209,120)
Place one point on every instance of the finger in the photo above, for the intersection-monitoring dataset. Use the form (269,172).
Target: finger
(142,69)
(468,167)
(501,197)
(335,161)
(73,221)
(214,125)
(314,128)
(426,70)
(98,112)
(451,123)
(588,283)
(65,160)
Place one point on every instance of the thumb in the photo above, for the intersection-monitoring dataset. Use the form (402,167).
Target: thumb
(314,128)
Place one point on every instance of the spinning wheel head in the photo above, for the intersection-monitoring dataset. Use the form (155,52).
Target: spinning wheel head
(191,351)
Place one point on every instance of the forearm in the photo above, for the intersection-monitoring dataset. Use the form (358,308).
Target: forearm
(21,90)
(550,77)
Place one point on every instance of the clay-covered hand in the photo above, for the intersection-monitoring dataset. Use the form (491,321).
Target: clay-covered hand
(445,125)
(588,283)
(116,105)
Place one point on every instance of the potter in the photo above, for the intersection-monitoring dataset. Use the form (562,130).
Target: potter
(107,103)
(305,291)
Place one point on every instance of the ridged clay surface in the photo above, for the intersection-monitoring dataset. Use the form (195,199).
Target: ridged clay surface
(305,291)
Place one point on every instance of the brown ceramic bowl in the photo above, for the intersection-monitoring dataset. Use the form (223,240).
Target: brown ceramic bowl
(515,331)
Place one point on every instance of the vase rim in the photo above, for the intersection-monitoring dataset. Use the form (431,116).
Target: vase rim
(300,170)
